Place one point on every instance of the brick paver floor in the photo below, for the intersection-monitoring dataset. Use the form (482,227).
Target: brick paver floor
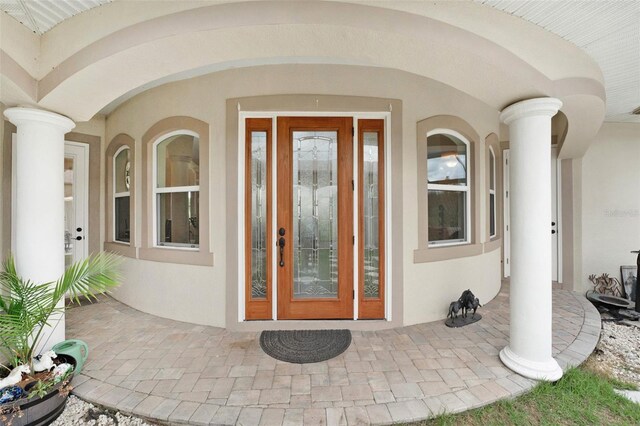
(180,373)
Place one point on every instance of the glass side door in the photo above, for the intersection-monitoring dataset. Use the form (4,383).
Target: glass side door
(75,202)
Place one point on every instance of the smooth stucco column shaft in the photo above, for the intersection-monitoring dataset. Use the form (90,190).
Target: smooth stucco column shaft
(39,198)
(530,346)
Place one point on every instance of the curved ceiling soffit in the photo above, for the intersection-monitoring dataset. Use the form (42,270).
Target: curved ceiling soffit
(583,104)
(16,85)
(585,115)
(259,32)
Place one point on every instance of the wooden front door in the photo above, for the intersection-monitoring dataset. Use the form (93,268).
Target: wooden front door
(314,231)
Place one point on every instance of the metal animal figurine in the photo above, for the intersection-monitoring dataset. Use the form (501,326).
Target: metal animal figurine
(474,306)
(454,307)
(605,284)
(466,301)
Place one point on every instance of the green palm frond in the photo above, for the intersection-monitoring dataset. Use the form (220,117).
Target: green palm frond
(22,298)
(95,275)
(27,306)
(13,331)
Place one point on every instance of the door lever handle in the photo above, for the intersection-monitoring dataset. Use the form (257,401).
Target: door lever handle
(281,243)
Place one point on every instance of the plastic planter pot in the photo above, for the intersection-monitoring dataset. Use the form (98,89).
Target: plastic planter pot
(38,411)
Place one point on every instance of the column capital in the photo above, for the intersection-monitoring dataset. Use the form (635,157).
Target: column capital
(530,108)
(22,115)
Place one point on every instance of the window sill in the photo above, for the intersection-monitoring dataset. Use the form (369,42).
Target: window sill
(492,245)
(123,249)
(188,248)
(176,255)
(437,254)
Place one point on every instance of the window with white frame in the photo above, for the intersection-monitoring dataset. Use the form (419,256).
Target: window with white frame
(448,188)
(121,195)
(492,193)
(176,189)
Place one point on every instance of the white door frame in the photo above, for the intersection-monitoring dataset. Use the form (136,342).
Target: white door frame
(242,116)
(506,245)
(555,215)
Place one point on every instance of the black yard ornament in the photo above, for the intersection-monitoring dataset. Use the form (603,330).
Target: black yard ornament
(467,302)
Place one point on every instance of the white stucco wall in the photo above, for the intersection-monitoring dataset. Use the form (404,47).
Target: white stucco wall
(180,292)
(432,286)
(610,202)
(197,293)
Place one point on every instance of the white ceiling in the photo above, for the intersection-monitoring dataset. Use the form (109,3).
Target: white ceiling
(608,30)
(42,15)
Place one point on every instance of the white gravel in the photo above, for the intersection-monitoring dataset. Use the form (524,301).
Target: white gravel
(82,413)
(619,351)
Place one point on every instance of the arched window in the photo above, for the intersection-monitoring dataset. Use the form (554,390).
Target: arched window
(492,194)
(175,184)
(120,218)
(176,189)
(122,195)
(448,188)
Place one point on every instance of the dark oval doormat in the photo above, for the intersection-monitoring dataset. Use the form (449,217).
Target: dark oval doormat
(304,346)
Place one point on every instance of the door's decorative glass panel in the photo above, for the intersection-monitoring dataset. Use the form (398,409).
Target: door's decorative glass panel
(315,214)
(178,218)
(447,212)
(69,212)
(447,160)
(371,215)
(178,160)
(258,215)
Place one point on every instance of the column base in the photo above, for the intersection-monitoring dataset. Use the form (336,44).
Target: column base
(548,370)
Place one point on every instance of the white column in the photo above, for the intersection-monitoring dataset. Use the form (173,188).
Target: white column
(39,200)
(529,350)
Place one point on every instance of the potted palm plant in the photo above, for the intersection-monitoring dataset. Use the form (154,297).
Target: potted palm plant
(39,396)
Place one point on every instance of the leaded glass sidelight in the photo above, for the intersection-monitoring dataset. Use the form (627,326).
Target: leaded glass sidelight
(177,190)
(259,214)
(315,214)
(371,255)
(121,184)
